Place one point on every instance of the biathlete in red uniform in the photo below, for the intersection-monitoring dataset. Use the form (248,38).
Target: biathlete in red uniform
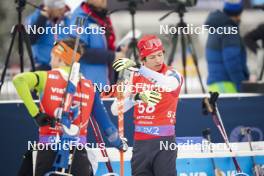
(50,86)
(154,120)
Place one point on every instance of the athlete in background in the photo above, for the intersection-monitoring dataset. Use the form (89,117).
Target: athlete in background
(99,40)
(55,14)
(154,122)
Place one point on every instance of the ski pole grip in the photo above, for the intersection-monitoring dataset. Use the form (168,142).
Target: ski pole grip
(208,106)
(213,97)
(244,131)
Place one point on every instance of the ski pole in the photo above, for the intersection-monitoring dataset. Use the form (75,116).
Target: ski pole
(99,140)
(120,107)
(211,106)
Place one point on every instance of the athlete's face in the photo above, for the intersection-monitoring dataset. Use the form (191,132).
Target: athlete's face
(154,61)
(56,61)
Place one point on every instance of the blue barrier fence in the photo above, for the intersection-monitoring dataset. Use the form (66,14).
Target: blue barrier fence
(198,166)
(17,128)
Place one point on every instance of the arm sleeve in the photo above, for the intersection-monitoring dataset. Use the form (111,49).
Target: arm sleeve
(103,119)
(98,56)
(38,20)
(24,83)
(252,37)
(128,104)
(171,81)
(232,58)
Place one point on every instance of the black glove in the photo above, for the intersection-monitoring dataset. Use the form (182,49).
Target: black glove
(43,119)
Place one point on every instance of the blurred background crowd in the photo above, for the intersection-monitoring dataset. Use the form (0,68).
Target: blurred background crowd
(210,49)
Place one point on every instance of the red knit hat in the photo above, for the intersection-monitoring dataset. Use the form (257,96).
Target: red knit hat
(149,44)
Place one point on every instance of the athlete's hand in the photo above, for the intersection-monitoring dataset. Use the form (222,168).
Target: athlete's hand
(123,147)
(123,63)
(43,119)
(149,96)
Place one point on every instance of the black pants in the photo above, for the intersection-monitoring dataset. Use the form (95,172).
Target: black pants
(81,165)
(26,168)
(150,159)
